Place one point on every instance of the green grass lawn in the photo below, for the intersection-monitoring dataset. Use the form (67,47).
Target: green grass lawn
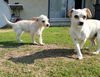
(55,59)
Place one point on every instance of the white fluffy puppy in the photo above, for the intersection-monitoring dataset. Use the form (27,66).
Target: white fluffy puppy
(32,26)
(83,29)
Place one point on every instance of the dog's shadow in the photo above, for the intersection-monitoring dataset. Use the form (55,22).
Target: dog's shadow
(51,53)
(12,44)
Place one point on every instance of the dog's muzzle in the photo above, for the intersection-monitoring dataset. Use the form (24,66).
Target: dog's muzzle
(80,23)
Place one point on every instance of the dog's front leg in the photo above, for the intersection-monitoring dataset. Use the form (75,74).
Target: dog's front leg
(33,39)
(79,54)
(40,39)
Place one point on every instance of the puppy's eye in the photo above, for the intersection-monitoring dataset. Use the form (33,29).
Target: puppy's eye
(76,16)
(43,21)
(84,17)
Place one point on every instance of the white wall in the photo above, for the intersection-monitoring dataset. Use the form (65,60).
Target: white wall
(4,10)
(32,8)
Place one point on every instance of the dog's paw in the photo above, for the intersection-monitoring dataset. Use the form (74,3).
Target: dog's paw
(21,41)
(95,53)
(41,44)
(35,43)
(80,57)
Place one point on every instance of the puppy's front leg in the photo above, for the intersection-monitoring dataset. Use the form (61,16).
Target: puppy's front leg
(33,38)
(40,39)
(79,54)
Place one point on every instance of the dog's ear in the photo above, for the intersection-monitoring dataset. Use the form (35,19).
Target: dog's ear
(35,18)
(89,14)
(70,12)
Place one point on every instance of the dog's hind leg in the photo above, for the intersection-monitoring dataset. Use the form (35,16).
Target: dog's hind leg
(18,36)
(82,43)
(98,39)
(93,43)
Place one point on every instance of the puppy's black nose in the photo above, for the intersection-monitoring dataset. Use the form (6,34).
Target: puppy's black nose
(81,23)
(47,25)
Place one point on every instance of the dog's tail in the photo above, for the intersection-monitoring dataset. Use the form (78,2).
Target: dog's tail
(8,22)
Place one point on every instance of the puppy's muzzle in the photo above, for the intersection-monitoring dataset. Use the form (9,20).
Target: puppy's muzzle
(80,23)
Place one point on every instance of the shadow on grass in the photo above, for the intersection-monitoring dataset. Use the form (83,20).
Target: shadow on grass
(12,44)
(51,53)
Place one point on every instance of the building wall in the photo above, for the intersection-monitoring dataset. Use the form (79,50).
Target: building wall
(32,8)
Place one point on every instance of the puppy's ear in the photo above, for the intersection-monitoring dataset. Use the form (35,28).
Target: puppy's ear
(70,12)
(34,18)
(89,14)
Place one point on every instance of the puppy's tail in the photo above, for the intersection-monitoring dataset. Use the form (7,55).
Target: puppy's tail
(8,22)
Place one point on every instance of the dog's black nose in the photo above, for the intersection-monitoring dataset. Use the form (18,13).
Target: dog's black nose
(47,25)
(81,23)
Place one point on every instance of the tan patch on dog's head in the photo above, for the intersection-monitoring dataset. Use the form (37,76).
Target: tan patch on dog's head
(34,18)
(89,14)
(70,12)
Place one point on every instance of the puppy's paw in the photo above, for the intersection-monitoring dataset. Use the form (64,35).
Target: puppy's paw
(21,41)
(35,43)
(80,57)
(95,53)
(41,44)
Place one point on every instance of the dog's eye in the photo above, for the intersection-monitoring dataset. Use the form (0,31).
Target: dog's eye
(76,16)
(84,17)
(43,21)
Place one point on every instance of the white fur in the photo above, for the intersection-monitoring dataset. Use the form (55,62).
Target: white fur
(88,30)
(32,26)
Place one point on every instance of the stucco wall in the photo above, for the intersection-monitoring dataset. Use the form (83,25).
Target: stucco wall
(32,8)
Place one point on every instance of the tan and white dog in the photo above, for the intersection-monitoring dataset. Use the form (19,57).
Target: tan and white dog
(34,27)
(83,29)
